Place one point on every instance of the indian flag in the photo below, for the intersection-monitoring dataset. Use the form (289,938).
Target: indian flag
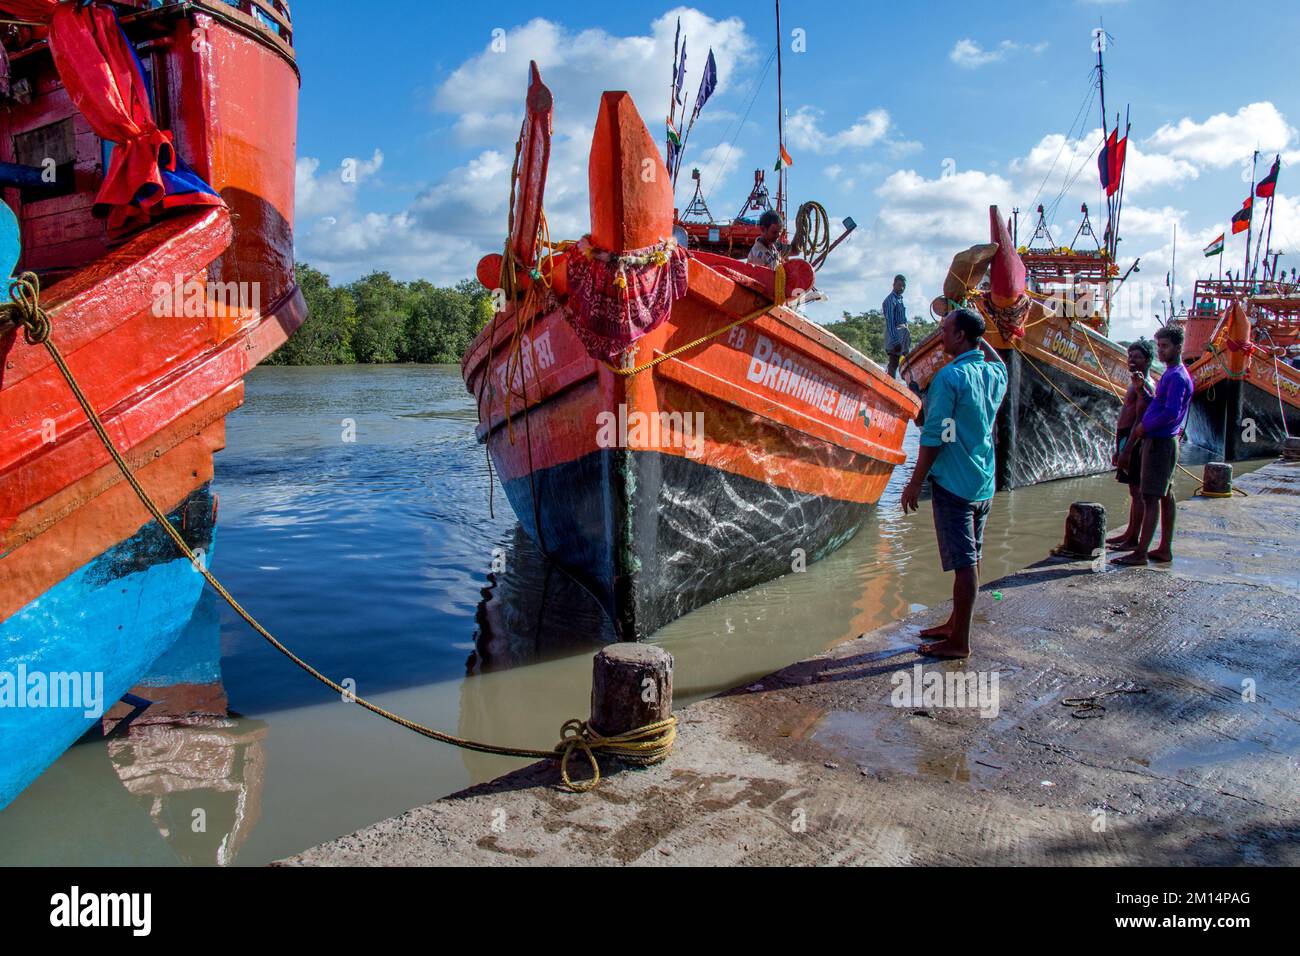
(1215,247)
(783,159)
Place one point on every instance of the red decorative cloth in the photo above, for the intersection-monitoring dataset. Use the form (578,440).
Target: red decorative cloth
(614,299)
(103,79)
(1010,322)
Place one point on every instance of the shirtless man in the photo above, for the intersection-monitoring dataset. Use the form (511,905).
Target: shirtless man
(1136,400)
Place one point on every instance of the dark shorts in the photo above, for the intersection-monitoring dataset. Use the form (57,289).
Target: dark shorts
(959,525)
(1159,458)
(1133,475)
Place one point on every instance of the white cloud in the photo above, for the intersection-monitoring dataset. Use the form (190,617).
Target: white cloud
(1223,139)
(318,193)
(449,226)
(970,55)
(875,128)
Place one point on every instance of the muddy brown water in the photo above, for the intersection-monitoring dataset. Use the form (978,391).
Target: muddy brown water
(371,557)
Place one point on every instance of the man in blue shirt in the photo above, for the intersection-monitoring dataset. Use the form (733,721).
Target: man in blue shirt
(1158,432)
(957,455)
(898,337)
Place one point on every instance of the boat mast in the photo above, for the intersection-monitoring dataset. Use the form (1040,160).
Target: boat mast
(1250,220)
(780,122)
(1100,42)
(1268,236)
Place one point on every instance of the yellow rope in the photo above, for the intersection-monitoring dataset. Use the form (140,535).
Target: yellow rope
(777,299)
(647,745)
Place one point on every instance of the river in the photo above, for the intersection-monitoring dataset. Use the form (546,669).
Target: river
(354,522)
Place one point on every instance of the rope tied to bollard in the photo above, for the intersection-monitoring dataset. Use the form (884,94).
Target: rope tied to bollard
(642,745)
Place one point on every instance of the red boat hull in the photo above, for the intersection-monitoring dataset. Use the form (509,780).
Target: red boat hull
(161,375)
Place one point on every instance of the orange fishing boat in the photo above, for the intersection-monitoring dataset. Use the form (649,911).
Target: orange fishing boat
(1238,339)
(147,158)
(666,428)
(1065,380)
(1048,313)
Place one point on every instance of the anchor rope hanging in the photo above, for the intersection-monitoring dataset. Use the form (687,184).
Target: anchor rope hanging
(643,745)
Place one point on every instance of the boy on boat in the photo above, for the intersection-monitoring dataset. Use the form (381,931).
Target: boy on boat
(1157,433)
(898,337)
(1136,400)
(768,249)
(961,407)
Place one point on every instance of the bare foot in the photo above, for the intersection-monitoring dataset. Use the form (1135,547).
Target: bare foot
(1122,544)
(1137,558)
(1163,555)
(946,649)
(939,630)
(1124,538)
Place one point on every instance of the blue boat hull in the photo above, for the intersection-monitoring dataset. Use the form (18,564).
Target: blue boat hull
(93,636)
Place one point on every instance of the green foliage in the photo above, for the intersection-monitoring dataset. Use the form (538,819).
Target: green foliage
(326,337)
(866,332)
(380,319)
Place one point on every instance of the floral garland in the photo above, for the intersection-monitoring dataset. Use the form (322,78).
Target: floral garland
(617,297)
(1010,321)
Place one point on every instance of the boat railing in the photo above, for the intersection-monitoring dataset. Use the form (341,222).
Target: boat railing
(266,16)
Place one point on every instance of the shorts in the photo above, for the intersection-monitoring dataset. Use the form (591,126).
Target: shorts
(959,525)
(1133,475)
(1159,458)
(901,345)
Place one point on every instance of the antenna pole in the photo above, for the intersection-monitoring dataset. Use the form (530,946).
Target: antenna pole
(1250,221)
(780,120)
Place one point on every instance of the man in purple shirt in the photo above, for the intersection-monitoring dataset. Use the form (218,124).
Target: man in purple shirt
(1158,434)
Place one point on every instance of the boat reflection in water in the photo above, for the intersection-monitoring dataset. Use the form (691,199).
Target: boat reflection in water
(177,748)
(174,775)
(532,610)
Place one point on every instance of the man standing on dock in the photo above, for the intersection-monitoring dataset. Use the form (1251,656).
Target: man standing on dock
(957,456)
(1158,432)
(1136,399)
(898,337)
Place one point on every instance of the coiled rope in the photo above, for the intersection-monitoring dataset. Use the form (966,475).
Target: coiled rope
(643,745)
(812,231)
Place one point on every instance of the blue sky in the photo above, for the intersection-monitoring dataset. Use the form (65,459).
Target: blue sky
(910,117)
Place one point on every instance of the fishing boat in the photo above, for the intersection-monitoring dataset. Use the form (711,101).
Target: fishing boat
(1239,337)
(667,429)
(1047,308)
(147,159)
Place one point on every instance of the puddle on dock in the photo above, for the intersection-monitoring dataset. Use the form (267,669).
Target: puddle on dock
(372,558)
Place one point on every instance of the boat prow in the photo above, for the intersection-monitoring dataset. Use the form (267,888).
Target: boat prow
(665,431)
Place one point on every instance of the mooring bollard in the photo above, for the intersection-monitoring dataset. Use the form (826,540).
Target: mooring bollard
(631,687)
(1085,531)
(1291,451)
(1216,480)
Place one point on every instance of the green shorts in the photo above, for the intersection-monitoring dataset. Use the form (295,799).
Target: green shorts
(1159,459)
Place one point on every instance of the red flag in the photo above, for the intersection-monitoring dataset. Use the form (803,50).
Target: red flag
(1117,169)
(1269,183)
(1241,219)
(1106,163)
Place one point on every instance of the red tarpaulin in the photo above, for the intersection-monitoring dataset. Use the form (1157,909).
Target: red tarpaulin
(103,79)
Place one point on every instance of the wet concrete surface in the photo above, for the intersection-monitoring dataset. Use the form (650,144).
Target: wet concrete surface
(1181,745)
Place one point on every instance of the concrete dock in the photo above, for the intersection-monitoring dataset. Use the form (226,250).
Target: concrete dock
(1181,744)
